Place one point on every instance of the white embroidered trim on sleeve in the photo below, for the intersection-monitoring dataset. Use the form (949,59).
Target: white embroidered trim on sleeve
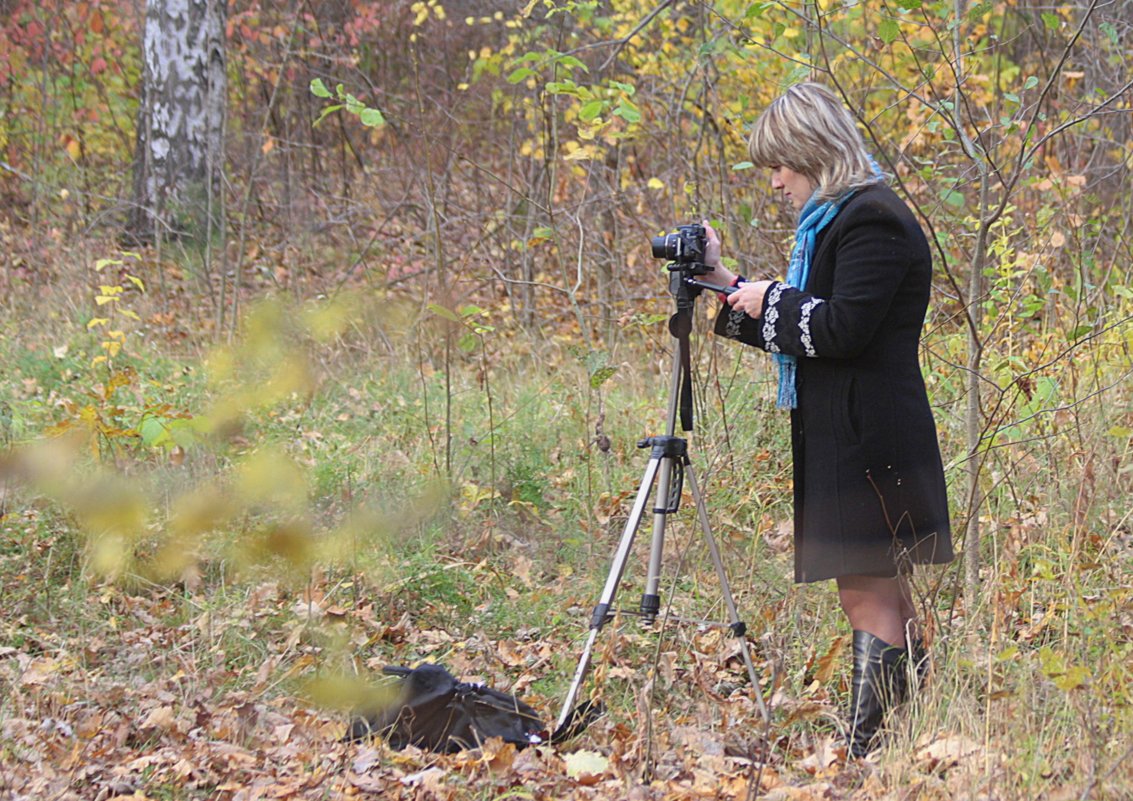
(734,326)
(771,316)
(804,325)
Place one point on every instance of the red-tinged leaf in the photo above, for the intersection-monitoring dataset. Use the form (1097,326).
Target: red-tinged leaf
(825,666)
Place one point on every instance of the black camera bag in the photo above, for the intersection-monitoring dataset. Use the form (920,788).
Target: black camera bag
(436,712)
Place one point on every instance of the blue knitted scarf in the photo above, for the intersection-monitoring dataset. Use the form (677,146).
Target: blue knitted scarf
(813,218)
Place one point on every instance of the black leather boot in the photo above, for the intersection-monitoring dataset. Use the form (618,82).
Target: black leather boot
(880,683)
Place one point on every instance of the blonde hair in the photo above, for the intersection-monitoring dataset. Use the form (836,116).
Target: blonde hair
(809,130)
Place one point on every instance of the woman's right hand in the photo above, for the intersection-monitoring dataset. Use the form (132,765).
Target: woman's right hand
(748,298)
(720,274)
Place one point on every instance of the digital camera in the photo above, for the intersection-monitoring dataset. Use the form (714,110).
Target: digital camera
(685,247)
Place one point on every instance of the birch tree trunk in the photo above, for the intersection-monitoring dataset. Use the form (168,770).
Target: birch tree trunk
(180,132)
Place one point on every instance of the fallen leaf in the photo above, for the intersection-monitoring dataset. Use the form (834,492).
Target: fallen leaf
(811,792)
(586,767)
(160,718)
(429,778)
(521,568)
(38,671)
(946,752)
(825,754)
(283,732)
(366,759)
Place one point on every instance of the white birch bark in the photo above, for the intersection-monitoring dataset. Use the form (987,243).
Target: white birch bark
(181,118)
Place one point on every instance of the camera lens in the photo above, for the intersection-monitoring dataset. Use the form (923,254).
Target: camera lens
(666,247)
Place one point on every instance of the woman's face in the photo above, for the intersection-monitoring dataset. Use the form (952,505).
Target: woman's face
(796,187)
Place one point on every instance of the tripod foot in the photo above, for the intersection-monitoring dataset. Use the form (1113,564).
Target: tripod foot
(576,721)
(650,607)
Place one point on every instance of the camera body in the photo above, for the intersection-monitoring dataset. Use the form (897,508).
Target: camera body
(685,247)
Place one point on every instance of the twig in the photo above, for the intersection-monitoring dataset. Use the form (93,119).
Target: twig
(620,44)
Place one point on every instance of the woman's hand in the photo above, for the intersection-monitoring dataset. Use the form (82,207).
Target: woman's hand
(748,298)
(720,274)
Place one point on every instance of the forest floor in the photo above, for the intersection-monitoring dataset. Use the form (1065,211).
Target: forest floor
(164,638)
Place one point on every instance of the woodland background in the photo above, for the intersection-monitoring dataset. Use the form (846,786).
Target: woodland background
(382,405)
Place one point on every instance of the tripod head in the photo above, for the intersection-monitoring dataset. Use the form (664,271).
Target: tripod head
(685,285)
(685,288)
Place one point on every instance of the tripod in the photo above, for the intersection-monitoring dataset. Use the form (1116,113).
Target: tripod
(668,466)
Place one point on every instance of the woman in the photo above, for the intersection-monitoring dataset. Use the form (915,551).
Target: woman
(845,327)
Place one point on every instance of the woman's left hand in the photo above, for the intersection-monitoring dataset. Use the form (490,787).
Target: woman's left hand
(748,298)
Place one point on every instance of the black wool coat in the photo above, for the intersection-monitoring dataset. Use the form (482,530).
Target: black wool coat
(869,487)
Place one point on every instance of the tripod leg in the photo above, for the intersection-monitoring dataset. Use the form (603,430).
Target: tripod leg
(651,600)
(606,600)
(725,589)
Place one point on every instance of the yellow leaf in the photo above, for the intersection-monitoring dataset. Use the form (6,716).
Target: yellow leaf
(655,183)
(102,300)
(38,671)
(97,321)
(1075,677)
(474,495)
(582,153)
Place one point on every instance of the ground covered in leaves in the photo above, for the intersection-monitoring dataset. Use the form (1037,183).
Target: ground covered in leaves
(173,694)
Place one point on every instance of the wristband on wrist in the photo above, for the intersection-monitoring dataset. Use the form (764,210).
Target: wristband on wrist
(739,279)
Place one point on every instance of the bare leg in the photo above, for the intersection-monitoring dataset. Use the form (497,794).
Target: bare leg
(881,606)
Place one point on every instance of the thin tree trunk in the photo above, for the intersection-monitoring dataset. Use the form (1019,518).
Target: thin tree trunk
(973,423)
(180,120)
